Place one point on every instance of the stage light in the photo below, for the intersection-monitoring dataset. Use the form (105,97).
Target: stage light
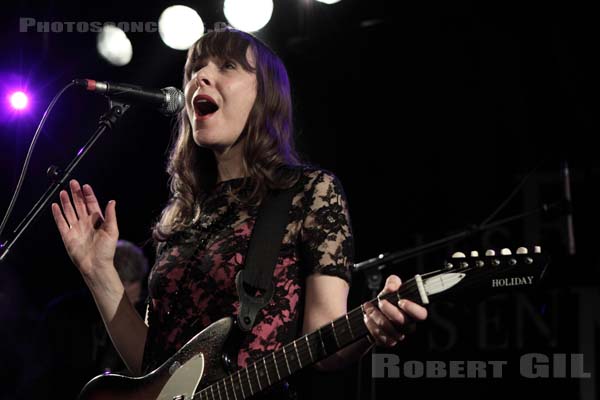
(18,100)
(180,27)
(248,15)
(114,46)
(329,1)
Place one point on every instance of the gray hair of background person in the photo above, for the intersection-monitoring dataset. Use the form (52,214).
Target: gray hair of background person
(130,262)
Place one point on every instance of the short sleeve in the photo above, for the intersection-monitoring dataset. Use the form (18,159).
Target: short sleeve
(327,246)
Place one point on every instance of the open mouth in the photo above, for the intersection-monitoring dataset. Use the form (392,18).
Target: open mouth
(204,105)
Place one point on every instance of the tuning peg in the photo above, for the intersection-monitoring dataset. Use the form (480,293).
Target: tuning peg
(537,249)
(522,250)
(474,253)
(490,253)
(505,252)
(459,254)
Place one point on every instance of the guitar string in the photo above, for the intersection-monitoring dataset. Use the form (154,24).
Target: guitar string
(303,350)
(282,362)
(353,315)
(408,289)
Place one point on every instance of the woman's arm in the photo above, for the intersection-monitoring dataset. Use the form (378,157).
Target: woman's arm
(125,326)
(326,237)
(90,238)
(326,298)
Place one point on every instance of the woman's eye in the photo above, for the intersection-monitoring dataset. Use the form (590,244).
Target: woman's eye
(229,65)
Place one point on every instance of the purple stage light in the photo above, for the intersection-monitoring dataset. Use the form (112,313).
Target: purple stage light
(18,100)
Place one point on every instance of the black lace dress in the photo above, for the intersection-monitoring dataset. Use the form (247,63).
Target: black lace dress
(192,283)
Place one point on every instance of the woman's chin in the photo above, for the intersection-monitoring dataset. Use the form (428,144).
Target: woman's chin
(202,138)
(207,142)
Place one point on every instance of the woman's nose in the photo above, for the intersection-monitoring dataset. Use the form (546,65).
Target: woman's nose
(202,79)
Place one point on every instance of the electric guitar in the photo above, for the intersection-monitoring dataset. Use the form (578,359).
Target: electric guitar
(197,372)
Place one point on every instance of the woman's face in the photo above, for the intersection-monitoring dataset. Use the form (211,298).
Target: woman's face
(219,97)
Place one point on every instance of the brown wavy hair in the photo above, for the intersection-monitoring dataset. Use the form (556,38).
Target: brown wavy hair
(267,137)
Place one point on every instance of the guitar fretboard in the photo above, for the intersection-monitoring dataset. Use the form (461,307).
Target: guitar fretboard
(296,355)
(330,338)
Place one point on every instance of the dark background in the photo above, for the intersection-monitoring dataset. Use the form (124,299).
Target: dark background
(430,114)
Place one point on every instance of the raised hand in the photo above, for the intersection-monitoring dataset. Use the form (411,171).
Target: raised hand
(388,323)
(90,238)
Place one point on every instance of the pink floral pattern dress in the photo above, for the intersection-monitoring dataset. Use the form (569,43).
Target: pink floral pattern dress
(192,283)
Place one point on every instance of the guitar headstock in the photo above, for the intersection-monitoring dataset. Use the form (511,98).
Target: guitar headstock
(491,271)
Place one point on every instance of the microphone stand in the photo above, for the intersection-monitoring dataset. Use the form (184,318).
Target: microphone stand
(372,267)
(59,177)
(381,261)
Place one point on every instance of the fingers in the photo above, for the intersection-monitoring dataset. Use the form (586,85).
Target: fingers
(388,323)
(413,309)
(405,307)
(86,205)
(392,312)
(392,284)
(78,199)
(61,223)
(91,201)
(380,327)
(68,210)
(110,224)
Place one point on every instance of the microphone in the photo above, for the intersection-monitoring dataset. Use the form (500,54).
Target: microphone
(168,101)
(568,207)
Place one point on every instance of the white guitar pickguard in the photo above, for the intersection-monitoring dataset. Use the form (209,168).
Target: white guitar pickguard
(184,379)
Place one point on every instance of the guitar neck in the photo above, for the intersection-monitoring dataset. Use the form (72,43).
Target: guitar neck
(490,272)
(299,354)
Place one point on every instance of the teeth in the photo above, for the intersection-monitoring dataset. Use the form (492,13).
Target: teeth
(205,106)
(202,101)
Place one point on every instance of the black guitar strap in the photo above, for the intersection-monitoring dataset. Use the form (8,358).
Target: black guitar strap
(255,282)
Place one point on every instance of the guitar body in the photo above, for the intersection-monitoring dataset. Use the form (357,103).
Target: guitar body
(198,360)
